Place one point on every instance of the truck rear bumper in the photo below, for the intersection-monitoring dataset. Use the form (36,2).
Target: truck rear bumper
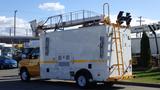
(124,77)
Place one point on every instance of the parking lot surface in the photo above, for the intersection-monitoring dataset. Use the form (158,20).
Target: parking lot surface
(9,80)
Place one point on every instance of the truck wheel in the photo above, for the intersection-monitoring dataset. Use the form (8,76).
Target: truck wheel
(82,81)
(24,75)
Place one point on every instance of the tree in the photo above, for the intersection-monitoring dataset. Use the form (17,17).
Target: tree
(145,51)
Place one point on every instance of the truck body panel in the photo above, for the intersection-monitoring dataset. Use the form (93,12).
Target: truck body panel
(64,53)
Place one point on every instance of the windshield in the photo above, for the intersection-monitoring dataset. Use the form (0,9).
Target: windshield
(27,50)
(35,51)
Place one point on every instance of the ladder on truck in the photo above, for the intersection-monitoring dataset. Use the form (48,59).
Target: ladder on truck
(118,43)
(119,52)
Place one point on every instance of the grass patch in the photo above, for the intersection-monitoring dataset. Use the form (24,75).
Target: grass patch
(148,76)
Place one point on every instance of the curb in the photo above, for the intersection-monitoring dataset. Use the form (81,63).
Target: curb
(138,84)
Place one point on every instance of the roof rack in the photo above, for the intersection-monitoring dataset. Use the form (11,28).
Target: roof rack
(82,17)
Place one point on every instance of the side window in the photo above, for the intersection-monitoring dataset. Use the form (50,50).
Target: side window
(101,46)
(47,46)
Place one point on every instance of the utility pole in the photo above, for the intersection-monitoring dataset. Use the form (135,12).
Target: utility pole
(10,32)
(15,22)
(140,20)
(140,23)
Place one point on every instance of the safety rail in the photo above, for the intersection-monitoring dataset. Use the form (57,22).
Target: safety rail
(71,19)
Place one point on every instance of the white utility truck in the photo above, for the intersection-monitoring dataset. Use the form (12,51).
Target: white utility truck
(94,52)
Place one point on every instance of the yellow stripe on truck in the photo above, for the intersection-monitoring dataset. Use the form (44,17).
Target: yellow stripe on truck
(84,61)
(48,62)
(74,61)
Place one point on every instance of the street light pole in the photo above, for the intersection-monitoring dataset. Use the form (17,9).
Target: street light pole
(15,22)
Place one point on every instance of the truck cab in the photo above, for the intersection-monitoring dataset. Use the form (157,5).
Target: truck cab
(29,65)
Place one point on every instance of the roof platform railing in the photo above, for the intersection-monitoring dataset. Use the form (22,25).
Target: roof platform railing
(82,17)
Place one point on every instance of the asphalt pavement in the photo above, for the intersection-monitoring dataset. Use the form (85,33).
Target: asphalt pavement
(9,80)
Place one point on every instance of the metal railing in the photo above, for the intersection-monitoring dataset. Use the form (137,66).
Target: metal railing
(70,18)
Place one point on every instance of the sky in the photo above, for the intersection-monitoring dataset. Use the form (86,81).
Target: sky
(28,10)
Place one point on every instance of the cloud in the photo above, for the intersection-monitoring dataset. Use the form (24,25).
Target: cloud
(55,6)
(7,24)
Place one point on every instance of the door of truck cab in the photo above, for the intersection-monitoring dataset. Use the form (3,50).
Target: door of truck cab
(34,64)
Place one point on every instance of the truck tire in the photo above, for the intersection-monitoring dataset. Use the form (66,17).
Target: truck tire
(24,75)
(82,81)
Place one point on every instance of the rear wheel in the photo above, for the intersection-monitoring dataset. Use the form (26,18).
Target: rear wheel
(24,75)
(83,81)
